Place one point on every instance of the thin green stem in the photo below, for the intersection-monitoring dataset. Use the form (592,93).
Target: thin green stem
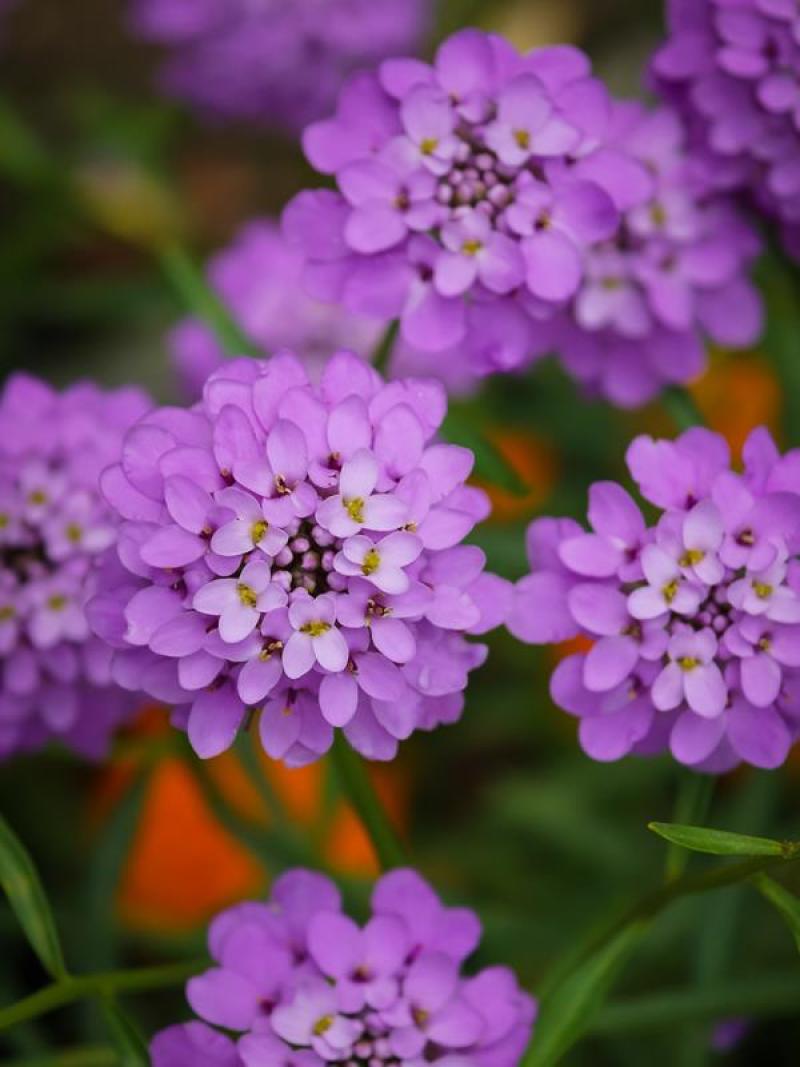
(199,298)
(108,983)
(770,995)
(382,355)
(681,407)
(692,802)
(359,790)
(85,1056)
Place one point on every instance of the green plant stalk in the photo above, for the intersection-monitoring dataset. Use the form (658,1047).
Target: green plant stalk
(770,995)
(681,407)
(382,354)
(358,789)
(103,984)
(692,803)
(85,1056)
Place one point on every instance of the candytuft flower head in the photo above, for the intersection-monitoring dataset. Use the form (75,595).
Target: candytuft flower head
(673,277)
(694,623)
(55,529)
(731,69)
(260,278)
(503,207)
(278,63)
(303,984)
(295,550)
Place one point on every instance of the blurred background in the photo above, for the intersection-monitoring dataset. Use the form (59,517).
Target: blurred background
(99,173)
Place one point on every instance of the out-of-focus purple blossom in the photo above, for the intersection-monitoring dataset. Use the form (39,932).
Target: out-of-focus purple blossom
(694,622)
(728,1034)
(296,550)
(673,277)
(259,277)
(503,207)
(304,985)
(275,62)
(55,529)
(732,70)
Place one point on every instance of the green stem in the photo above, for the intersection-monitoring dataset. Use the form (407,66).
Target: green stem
(87,1056)
(358,789)
(200,299)
(68,990)
(383,351)
(681,407)
(692,802)
(769,995)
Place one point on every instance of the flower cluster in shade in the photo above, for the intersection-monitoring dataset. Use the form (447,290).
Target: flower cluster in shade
(54,531)
(259,278)
(296,550)
(692,625)
(503,206)
(732,67)
(299,983)
(280,62)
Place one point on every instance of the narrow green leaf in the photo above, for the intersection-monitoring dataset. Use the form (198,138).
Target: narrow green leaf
(22,885)
(490,464)
(126,1036)
(785,902)
(569,1011)
(721,842)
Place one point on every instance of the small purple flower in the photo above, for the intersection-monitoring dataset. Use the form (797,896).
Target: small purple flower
(55,530)
(299,984)
(293,551)
(279,63)
(694,621)
(731,70)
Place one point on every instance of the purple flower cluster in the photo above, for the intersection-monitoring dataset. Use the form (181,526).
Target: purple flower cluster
(276,62)
(296,549)
(673,276)
(54,530)
(694,622)
(503,206)
(259,277)
(306,986)
(732,68)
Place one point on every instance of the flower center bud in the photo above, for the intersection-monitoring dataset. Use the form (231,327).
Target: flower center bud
(315,628)
(670,590)
(57,602)
(428,146)
(691,556)
(687,663)
(523,138)
(471,248)
(762,590)
(321,1026)
(74,533)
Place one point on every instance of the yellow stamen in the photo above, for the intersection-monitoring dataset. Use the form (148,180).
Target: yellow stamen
(429,145)
(371,562)
(3,520)
(691,556)
(355,509)
(687,663)
(7,613)
(658,215)
(37,497)
(316,628)
(321,1026)
(74,533)
(762,590)
(258,530)
(57,602)
(523,138)
(670,590)
(471,248)
(247,595)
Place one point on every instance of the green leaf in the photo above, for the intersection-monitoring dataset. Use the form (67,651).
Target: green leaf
(126,1036)
(785,902)
(26,896)
(490,465)
(723,843)
(568,1012)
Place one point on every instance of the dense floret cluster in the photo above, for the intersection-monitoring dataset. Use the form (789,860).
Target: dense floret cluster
(54,530)
(694,621)
(307,986)
(732,69)
(296,549)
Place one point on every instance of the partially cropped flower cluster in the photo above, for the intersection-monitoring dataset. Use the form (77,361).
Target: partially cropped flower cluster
(732,68)
(54,529)
(693,622)
(503,206)
(296,549)
(259,277)
(306,986)
(673,276)
(276,62)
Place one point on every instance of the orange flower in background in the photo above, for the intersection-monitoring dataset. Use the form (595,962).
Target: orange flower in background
(534,462)
(736,394)
(184,866)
